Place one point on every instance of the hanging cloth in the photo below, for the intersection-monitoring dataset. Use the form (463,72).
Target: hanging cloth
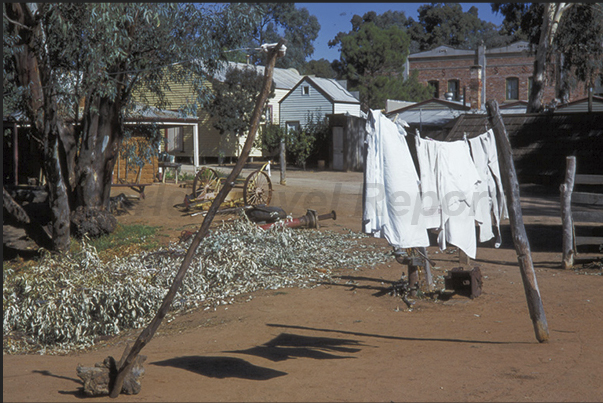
(491,194)
(449,182)
(392,202)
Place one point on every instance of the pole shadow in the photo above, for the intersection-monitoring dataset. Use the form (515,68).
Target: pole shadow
(393,337)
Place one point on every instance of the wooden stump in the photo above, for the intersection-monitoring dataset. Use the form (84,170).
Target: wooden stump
(99,380)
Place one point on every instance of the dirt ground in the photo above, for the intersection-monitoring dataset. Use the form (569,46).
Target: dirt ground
(351,340)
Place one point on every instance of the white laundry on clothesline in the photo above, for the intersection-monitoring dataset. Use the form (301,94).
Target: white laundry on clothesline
(392,200)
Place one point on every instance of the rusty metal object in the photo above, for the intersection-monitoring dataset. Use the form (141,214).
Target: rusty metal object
(464,282)
(310,220)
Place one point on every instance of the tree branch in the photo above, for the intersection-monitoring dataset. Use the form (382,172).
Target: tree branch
(17,23)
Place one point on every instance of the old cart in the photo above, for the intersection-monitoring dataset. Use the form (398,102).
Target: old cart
(254,190)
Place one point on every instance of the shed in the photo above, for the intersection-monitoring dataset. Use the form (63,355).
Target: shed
(541,142)
(581,105)
(430,117)
(314,98)
(346,148)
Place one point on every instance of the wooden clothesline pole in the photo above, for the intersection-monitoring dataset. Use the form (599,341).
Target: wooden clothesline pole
(147,334)
(518,231)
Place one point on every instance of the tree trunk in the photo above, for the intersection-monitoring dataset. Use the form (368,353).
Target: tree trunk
(550,21)
(57,190)
(42,110)
(101,137)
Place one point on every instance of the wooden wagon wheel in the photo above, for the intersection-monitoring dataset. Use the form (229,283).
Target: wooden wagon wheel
(206,181)
(257,189)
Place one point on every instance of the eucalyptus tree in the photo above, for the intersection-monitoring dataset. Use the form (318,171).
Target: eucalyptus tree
(572,32)
(73,69)
(298,27)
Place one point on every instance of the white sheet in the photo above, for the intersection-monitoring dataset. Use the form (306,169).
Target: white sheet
(485,157)
(449,182)
(392,201)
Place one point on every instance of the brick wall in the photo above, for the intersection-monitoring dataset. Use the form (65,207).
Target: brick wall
(498,69)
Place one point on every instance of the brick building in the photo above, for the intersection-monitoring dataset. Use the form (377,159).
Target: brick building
(474,76)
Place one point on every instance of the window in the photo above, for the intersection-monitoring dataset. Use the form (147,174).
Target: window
(512,88)
(175,139)
(268,114)
(292,126)
(436,88)
(453,88)
(305,90)
(529,87)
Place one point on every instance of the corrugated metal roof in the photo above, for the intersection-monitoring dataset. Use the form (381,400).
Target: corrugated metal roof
(332,89)
(581,105)
(432,117)
(447,51)
(141,113)
(283,78)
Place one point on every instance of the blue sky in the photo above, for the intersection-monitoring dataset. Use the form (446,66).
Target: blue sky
(335,17)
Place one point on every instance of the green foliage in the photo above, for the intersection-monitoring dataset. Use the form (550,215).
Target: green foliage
(521,20)
(312,140)
(580,40)
(395,87)
(319,68)
(299,146)
(371,58)
(234,99)
(143,236)
(299,27)
(318,129)
(271,136)
(446,24)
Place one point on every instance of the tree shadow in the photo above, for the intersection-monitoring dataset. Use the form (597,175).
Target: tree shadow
(221,367)
(289,346)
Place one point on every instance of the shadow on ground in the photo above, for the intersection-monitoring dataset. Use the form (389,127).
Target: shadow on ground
(287,346)
(221,367)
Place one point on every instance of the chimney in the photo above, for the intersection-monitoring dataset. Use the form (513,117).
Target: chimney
(475,87)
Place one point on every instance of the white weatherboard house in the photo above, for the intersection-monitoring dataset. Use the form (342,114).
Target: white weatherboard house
(318,97)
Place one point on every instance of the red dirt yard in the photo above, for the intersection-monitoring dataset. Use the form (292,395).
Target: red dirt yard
(351,340)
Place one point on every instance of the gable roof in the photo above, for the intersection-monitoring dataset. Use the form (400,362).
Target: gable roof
(283,78)
(328,87)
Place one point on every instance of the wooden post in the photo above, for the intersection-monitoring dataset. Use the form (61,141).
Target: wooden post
(464,260)
(518,231)
(567,222)
(413,279)
(428,277)
(147,334)
(283,158)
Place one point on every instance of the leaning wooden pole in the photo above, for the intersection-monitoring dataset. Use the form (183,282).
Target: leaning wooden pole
(518,231)
(147,334)
(567,222)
